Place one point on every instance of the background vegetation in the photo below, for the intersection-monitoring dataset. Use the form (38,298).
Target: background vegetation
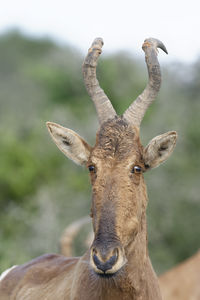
(41,191)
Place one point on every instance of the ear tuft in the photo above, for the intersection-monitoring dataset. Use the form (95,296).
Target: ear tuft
(159,149)
(48,124)
(67,142)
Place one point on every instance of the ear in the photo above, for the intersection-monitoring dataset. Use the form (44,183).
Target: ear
(70,143)
(159,149)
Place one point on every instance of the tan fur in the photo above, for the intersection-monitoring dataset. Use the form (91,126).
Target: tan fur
(183,281)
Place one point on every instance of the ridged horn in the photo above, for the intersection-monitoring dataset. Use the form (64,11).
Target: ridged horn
(135,113)
(103,105)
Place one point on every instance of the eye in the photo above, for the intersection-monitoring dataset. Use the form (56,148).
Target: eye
(91,168)
(136,170)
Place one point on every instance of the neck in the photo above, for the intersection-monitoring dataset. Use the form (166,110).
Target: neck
(140,273)
(138,258)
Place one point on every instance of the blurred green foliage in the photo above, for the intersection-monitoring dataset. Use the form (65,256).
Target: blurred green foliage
(41,191)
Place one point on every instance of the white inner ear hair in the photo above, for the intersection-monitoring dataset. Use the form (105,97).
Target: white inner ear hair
(3,275)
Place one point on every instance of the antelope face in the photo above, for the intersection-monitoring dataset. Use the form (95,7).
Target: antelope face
(118,194)
(116,165)
(116,162)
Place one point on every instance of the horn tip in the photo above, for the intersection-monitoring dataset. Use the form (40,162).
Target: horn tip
(152,42)
(98,41)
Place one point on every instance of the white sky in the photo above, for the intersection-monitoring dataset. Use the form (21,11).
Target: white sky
(122,24)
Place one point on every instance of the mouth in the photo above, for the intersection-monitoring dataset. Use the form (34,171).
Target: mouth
(107,275)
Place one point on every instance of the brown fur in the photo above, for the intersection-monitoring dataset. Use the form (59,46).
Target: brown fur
(183,281)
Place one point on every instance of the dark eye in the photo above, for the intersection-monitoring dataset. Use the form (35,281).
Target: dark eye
(136,170)
(91,168)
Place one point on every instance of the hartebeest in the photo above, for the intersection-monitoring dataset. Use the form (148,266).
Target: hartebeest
(117,265)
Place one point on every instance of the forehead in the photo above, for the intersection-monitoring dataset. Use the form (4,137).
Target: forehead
(117,139)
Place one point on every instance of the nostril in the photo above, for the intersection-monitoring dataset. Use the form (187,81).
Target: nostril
(97,261)
(116,252)
(112,260)
(94,251)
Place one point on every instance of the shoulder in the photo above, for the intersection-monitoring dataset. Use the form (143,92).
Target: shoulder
(40,269)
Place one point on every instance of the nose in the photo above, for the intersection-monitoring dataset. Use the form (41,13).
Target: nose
(104,260)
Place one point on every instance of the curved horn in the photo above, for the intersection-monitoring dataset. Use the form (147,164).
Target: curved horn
(135,113)
(103,105)
(69,235)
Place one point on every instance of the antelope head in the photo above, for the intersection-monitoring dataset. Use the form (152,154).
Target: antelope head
(116,163)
